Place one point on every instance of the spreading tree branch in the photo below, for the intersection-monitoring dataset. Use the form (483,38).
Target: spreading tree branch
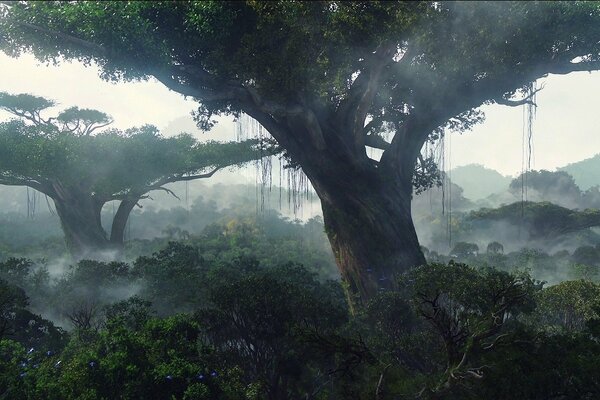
(169,191)
(34,184)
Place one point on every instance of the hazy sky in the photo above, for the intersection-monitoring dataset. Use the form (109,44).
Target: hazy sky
(565,130)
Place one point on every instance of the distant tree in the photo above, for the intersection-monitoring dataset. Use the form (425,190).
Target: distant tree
(327,79)
(557,187)
(464,250)
(587,255)
(495,248)
(542,220)
(81,167)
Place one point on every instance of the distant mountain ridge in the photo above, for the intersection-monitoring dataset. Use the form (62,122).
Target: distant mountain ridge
(585,172)
(478,182)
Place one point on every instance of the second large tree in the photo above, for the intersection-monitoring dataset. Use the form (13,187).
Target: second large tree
(81,166)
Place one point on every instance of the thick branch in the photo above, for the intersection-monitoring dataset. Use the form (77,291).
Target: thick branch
(39,186)
(66,37)
(382,57)
(377,142)
(194,177)
(137,193)
(169,191)
(167,79)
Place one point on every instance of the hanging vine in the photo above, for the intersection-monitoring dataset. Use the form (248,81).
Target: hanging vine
(529,113)
(291,177)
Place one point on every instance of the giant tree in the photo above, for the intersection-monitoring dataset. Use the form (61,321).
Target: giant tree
(81,166)
(327,80)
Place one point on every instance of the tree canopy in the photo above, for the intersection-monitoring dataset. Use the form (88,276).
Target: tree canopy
(72,159)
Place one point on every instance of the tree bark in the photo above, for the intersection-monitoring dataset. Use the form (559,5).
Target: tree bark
(367,215)
(373,239)
(80,221)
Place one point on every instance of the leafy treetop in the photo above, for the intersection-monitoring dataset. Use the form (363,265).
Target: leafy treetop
(109,164)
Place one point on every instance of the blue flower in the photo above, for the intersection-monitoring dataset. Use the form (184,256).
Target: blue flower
(49,353)
(92,364)
(22,375)
(213,374)
(200,377)
(169,377)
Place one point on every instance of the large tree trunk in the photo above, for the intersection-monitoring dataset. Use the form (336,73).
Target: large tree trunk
(368,220)
(79,215)
(366,204)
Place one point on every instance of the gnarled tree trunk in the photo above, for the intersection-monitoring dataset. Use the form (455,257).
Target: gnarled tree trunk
(368,221)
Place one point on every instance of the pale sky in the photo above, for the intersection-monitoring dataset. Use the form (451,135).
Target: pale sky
(565,130)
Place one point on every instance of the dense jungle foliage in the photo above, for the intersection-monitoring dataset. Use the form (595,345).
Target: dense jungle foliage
(231,313)
(241,330)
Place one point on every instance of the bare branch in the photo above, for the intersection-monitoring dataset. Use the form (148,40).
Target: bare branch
(515,103)
(91,128)
(28,115)
(169,191)
(378,390)
(194,177)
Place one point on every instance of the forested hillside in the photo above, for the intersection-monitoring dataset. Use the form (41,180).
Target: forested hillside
(585,172)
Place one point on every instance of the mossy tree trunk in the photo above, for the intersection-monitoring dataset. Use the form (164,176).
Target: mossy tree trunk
(368,221)
(373,238)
